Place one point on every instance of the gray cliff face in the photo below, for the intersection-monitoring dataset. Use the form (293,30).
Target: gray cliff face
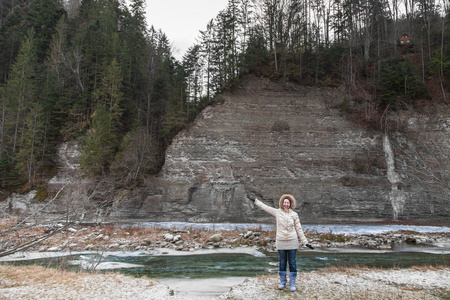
(268,139)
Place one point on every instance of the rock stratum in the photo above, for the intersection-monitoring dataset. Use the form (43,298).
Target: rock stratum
(268,139)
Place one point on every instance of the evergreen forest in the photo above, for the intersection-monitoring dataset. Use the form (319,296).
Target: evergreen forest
(98,72)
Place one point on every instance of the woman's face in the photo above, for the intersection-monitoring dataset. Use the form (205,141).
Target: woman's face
(286,204)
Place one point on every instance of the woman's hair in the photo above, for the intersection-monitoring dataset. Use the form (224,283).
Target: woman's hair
(291,200)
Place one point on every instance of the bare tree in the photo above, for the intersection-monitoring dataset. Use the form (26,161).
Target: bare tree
(441,66)
(425,163)
(74,205)
(71,7)
(23,224)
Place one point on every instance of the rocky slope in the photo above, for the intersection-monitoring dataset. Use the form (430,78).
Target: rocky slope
(269,139)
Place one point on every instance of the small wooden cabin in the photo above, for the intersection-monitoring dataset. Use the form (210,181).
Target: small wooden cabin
(404,39)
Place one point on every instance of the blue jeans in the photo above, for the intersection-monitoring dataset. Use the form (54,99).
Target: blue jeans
(285,256)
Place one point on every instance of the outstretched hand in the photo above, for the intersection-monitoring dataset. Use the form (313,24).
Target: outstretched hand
(251,197)
(309,246)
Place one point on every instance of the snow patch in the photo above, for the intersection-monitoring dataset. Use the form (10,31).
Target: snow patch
(396,196)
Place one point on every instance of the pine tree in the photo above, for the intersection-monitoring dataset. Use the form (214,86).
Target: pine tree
(32,141)
(192,68)
(11,36)
(103,136)
(43,16)
(109,94)
(206,42)
(18,96)
(98,144)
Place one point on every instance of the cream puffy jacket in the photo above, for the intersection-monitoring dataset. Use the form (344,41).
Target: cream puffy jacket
(288,223)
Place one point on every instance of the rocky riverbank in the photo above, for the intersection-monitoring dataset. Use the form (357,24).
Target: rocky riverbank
(116,238)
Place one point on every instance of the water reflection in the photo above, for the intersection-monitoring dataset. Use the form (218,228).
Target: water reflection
(235,264)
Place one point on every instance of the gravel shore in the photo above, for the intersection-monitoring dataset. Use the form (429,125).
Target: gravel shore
(415,283)
(352,284)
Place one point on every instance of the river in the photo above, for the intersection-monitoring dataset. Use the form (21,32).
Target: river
(214,271)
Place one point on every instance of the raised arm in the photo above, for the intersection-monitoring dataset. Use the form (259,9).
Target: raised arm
(266,208)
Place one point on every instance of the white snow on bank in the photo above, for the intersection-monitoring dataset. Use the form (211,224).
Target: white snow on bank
(172,252)
(205,288)
(202,226)
(21,256)
(373,229)
(87,264)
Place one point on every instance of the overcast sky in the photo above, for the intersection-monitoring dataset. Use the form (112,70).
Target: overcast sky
(181,20)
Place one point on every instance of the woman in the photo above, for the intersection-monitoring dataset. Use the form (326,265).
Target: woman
(289,230)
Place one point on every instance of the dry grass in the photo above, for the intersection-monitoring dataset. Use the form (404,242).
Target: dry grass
(428,268)
(7,223)
(30,275)
(32,282)
(27,275)
(359,269)
(125,232)
(327,236)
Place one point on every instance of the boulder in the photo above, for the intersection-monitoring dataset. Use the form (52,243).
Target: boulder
(215,238)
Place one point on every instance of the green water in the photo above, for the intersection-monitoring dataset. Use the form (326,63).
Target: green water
(232,265)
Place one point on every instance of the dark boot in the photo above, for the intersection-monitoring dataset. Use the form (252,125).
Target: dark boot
(283,279)
(292,276)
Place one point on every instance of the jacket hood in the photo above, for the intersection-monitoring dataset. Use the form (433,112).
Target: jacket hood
(291,198)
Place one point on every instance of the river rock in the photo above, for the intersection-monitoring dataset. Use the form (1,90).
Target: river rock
(146,242)
(168,237)
(248,234)
(89,247)
(215,238)
(72,230)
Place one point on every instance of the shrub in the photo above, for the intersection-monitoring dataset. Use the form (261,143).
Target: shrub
(397,82)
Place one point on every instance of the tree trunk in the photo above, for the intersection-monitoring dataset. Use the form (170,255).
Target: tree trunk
(441,67)
(2,125)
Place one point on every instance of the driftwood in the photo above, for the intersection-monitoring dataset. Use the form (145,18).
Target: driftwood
(21,225)
(18,226)
(31,243)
